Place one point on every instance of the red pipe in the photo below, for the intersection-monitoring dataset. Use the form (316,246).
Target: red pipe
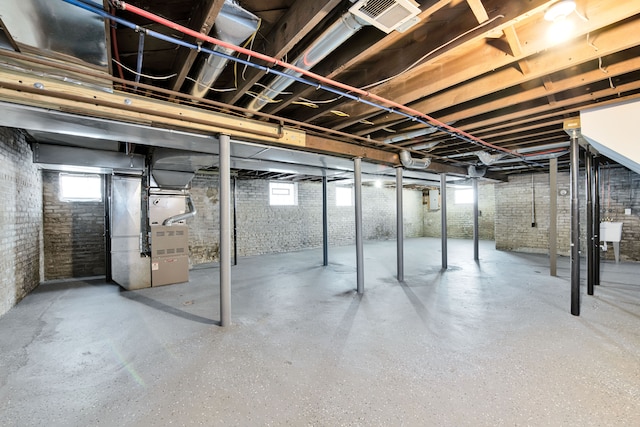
(148,15)
(114,42)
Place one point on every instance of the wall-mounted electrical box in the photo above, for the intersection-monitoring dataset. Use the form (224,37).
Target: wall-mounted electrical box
(434,200)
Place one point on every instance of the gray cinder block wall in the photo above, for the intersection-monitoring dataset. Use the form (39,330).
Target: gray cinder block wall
(21,263)
(460,216)
(73,233)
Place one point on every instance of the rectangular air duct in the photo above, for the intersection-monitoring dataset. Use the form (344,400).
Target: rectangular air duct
(386,15)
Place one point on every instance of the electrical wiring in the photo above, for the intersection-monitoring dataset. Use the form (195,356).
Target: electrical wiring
(264,98)
(306,104)
(428,54)
(146,76)
(249,43)
(321,82)
(230,89)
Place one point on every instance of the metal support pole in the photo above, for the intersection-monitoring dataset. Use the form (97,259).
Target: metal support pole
(588,168)
(357,176)
(107,227)
(596,220)
(443,218)
(235,223)
(575,226)
(225,235)
(553,216)
(476,230)
(399,224)
(325,223)
(140,56)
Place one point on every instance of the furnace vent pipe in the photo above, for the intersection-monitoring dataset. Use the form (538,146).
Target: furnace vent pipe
(233,25)
(411,163)
(192,212)
(330,40)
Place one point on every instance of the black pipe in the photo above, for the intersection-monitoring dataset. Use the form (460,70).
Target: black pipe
(588,168)
(325,224)
(235,223)
(107,227)
(575,226)
(596,219)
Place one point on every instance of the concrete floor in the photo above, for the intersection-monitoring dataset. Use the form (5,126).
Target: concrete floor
(480,345)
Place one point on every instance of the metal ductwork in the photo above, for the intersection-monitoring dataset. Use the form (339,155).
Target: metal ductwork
(409,135)
(474,172)
(190,214)
(489,159)
(411,163)
(386,15)
(175,169)
(233,25)
(330,40)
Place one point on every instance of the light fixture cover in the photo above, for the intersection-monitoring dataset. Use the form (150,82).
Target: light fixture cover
(560,10)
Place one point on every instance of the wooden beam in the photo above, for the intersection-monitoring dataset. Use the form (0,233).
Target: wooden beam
(33,90)
(478,10)
(483,59)
(611,40)
(573,55)
(516,48)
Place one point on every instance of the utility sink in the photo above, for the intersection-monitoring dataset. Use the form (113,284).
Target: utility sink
(611,232)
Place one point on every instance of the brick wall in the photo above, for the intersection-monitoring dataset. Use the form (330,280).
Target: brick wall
(204,230)
(262,228)
(73,234)
(513,212)
(460,216)
(20,220)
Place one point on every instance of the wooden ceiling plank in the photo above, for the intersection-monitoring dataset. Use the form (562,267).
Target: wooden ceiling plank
(611,41)
(478,10)
(569,106)
(506,13)
(486,59)
(572,82)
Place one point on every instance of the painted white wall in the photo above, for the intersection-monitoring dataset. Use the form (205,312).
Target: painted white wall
(614,131)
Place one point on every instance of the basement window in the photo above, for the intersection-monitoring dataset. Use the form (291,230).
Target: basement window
(463,196)
(80,188)
(283,193)
(344,196)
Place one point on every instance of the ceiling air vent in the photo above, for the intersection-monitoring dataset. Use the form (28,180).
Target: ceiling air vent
(387,15)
